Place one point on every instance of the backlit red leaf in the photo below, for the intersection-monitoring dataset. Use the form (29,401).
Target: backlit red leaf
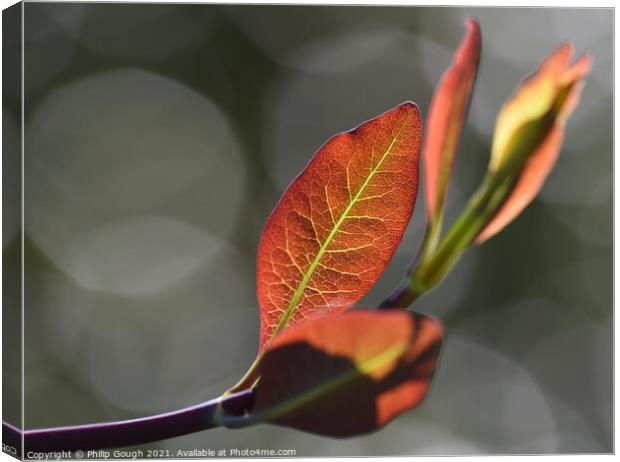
(446,117)
(348,374)
(338,224)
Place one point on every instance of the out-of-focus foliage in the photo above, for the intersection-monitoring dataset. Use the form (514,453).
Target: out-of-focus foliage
(530,129)
(159,138)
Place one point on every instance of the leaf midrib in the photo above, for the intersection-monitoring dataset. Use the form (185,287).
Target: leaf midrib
(290,309)
(361,369)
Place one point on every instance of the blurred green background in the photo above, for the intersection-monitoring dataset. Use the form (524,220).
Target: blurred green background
(159,138)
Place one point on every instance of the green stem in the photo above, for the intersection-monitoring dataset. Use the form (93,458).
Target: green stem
(431,239)
(467,226)
(248,380)
(438,259)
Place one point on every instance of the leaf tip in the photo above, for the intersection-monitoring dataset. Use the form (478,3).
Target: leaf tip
(409,106)
(473,29)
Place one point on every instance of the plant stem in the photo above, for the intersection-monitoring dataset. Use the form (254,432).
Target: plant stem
(403,296)
(439,258)
(126,432)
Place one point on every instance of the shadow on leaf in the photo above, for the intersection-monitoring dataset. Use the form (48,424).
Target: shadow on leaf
(347,375)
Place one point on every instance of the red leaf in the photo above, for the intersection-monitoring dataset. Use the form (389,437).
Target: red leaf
(349,374)
(446,117)
(338,224)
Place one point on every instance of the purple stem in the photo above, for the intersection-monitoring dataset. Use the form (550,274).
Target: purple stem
(154,428)
(392,300)
(125,432)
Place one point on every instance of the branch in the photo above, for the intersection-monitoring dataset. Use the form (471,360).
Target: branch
(126,432)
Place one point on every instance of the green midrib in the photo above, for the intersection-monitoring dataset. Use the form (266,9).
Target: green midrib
(290,309)
(361,369)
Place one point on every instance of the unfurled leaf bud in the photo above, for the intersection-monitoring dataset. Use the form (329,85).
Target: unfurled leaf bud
(529,132)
